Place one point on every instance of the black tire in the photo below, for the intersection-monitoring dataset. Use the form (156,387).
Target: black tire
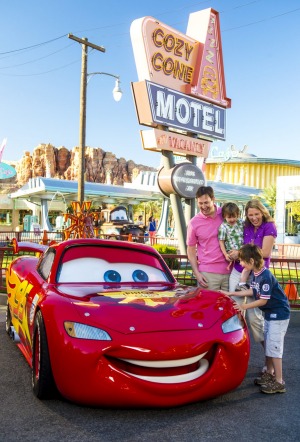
(43,384)
(8,322)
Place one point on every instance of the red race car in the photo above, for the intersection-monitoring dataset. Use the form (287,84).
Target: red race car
(106,324)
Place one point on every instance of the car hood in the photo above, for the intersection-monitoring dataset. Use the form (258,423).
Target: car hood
(149,309)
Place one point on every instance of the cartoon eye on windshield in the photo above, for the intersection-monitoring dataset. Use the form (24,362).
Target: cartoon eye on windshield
(90,269)
(112,276)
(140,276)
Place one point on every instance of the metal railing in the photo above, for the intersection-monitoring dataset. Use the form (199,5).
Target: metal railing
(286,271)
(285,261)
(32,236)
(279,251)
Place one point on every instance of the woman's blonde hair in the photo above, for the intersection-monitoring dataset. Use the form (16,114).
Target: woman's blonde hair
(256,204)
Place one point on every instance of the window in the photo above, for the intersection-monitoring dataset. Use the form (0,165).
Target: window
(5,217)
(46,264)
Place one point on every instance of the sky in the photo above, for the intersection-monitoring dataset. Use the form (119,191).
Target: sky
(40,74)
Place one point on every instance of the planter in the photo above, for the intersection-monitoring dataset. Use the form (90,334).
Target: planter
(292,239)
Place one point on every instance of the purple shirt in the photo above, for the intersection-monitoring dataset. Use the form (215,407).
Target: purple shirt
(252,237)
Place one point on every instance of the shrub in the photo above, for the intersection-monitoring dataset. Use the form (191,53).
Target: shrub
(168,250)
(164,250)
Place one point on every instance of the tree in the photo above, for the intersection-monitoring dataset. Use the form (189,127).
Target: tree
(147,209)
(294,208)
(294,217)
(269,195)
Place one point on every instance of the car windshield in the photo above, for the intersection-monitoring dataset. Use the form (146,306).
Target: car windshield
(110,265)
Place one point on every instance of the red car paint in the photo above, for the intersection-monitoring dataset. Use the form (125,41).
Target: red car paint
(158,329)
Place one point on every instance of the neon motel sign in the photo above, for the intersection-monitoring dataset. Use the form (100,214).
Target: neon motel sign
(181,84)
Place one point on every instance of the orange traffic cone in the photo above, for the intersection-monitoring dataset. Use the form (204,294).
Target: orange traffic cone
(291,290)
(15,245)
(45,238)
(130,237)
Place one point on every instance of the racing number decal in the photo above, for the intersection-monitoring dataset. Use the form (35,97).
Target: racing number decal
(17,293)
(20,298)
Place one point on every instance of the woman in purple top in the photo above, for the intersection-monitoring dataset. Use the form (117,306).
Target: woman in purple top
(259,230)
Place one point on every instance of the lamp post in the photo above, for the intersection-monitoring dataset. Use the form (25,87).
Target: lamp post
(117,94)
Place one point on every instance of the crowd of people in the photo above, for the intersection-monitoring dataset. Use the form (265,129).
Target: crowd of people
(232,255)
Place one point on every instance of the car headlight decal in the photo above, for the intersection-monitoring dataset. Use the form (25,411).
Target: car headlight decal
(233,324)
(83,331)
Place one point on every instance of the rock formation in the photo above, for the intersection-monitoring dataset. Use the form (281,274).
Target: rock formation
(100,166)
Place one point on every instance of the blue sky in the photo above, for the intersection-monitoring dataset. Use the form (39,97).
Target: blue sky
(39,86)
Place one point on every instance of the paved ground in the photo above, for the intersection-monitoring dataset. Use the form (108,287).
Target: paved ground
(2,299)
(243,415)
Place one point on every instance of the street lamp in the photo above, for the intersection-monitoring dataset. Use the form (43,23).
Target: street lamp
(117,91)
(117,94)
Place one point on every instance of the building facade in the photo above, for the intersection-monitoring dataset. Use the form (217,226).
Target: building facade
(288,190)
(242,168)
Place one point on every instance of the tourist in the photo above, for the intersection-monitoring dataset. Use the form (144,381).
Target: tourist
(205,256)
(140,221)
(152,230)
(260,230)
(269,297)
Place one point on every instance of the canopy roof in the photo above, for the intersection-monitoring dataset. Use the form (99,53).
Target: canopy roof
(49,188)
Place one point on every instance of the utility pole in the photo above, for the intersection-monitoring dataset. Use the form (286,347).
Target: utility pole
(82,116)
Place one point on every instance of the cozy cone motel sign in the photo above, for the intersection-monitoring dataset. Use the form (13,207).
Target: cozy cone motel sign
(181,90)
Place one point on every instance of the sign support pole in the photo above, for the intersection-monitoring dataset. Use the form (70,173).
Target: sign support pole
(168,163)
(190,203)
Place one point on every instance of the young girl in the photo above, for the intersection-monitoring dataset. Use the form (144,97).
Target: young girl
(271,299)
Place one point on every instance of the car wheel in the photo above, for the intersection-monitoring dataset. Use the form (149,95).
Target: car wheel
(8,322)
(42,379)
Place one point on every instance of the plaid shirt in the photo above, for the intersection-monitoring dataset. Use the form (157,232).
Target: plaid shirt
(232,235)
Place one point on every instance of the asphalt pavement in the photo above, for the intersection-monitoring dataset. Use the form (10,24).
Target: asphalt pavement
(244,414)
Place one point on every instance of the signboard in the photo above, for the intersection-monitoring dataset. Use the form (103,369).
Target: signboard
(181,94)
(191,63)
(183,179)
(158,105)
(158,140)
(209,84)
(6,171)
(163,54)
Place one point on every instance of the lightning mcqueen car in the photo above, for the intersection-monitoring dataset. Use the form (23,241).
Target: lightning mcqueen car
(106,324)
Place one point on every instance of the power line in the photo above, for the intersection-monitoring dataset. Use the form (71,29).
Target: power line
(127,33)
(33,46)
(117,25)
(262,20)
(37,59)
(44,72)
